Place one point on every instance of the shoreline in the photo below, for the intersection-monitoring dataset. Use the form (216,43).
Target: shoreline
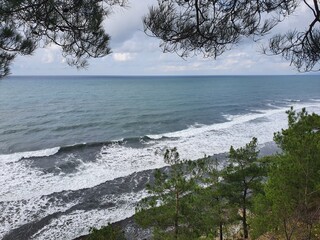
(113,192)
(133,231)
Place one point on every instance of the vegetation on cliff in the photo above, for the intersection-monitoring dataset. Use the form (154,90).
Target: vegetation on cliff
(274,197)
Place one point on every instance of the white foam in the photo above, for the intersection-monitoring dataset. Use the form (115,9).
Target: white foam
(292,100)
(237,120)
(24,185)
(21,212)
(14,157)
(79,222)
(25,182)
(272,105)
(20,181)
(196,125)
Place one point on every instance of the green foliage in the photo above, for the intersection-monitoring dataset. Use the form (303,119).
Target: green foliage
(168,191)
(292,190)
(242,179)
(188,202)
(106,233)
(262,221)
(278,196)
(215,202)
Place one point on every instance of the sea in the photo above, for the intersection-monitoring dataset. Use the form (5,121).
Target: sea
(76,151)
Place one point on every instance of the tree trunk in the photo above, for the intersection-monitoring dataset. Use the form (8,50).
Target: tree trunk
(310,232)
(288,236)
(220,231)
(176,221)
(245,225)
(244,217)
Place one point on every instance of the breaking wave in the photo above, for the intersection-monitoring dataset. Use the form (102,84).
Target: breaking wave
(51,180)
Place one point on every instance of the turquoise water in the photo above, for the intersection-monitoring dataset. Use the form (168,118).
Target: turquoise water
(69,142)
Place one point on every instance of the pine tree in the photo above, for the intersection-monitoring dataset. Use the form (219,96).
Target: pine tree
(242,179)
(292,190)
(165,207)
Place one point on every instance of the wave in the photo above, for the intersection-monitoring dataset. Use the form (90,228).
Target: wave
(231,121)
(12,131)
(191,130)
(83,125)
(292,100)
(15,157)
(85,165)
(28,191)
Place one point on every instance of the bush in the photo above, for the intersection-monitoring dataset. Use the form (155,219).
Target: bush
(107,233)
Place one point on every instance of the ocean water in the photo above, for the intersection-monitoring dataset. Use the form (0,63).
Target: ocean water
(75,152)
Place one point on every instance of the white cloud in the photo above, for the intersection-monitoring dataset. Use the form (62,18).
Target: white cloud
(125,22)
(128,42)
(50,54)
(122,57)
(47,57)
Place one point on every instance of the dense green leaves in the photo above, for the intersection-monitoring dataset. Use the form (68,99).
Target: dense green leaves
(168,191)
(242,179)
(292,190)
(195,199)
(106,233)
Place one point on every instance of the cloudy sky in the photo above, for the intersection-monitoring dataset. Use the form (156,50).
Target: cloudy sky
(134,53)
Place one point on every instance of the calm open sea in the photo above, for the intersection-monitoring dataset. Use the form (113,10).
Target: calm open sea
(74,150)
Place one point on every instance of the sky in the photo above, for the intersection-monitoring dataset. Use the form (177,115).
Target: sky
(135,53)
